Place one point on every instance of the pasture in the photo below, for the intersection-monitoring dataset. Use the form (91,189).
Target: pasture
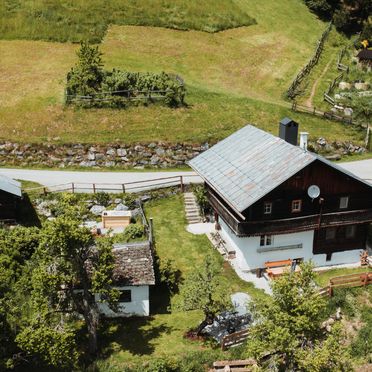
(233,77)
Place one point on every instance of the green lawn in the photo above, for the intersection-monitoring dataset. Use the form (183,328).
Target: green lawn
(62,20)
(161,335)
(233,77)
(324,276)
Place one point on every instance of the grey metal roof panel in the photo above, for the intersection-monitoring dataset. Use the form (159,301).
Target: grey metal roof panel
(11,186)
(249,164)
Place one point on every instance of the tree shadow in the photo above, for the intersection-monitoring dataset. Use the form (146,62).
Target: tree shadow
(26,214)
(132,334)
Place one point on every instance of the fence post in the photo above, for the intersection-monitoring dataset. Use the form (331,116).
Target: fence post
(181,184)
(123,187)
(44,190)
(94,188)
(72,187)
(314,110)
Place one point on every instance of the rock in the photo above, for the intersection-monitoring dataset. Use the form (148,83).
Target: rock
(91,156)
(121,152)
(109,164)
(361,86)
(100,156)
(92,149)
(154,160)
(321,141)
(338,314)
(111,152)
(117,201)
(333,157)
(121,207)
(97,209)
(204,147)
(138,148)
(145,198)
(87,163)
(348,111)
(328,328)
(160,151)
(151,145)
(343,85)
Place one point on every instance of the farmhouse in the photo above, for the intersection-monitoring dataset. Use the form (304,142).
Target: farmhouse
(10,197)
(133,274)
(276,201)
(365,58)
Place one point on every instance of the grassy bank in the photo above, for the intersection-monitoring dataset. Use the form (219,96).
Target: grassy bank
(88,20)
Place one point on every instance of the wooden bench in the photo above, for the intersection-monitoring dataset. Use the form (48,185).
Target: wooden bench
(276,268)
(234,365)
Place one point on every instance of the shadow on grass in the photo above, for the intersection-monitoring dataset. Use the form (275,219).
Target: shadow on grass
(26,214)
(132,334)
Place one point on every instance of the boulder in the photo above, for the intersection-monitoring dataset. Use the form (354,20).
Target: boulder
(97,209)
(121,207)
(121,152)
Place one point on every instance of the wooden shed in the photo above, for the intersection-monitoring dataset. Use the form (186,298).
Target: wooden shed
(114,219)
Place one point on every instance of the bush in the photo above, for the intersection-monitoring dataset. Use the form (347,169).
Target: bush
(133,231)
(201,198)
(101,88)
(102,198)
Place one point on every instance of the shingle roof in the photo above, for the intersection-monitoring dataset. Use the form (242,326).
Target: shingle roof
(133,264)
(11,186)
(250,163)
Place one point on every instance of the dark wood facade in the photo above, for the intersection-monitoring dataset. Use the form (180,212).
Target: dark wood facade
(320,214)
(8,206)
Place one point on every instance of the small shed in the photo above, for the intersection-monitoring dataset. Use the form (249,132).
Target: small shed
(132,275)
(365,58)
(114,219)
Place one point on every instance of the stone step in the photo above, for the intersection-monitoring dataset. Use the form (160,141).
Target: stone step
(192,209)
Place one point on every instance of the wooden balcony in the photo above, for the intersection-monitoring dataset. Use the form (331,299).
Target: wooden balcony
(288,225)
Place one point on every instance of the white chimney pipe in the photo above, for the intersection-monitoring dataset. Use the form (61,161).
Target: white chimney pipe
(303,140)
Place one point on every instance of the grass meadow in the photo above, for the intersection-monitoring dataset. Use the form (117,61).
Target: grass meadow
(75,20)
(233,77)
(161,335)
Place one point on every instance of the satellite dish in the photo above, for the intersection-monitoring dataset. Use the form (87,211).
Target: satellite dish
(313,191)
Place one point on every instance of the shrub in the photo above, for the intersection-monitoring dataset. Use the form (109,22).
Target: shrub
(133,231)
(201,198)
(102,198)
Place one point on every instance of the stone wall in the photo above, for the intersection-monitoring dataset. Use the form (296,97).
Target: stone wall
(155,155)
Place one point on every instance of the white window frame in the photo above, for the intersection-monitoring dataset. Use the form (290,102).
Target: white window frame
(299,208)
(268,207)
(266,240)
(344,202)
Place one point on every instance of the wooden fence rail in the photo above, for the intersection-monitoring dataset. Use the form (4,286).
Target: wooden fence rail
(234,339)
(293,90)
(136,186)
(346,281)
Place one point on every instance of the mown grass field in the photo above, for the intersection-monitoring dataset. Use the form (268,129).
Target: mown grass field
(161,335)
(67,20)
(233,77)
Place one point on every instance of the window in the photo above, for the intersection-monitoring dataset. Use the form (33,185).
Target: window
(350,231)
(125,296)
(330,233)
(268,206)
(344,202)
(296,205)
(266,240)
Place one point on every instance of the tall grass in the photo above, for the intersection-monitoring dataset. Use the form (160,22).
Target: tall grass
(75,20)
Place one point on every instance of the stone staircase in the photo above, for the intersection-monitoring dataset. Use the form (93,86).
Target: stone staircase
(192,208)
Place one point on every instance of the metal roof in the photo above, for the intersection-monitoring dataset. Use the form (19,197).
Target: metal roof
(11,186)
(250,163)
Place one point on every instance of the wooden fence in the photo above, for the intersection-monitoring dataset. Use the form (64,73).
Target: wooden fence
(234,339)
(346,281)
(136,186)
(293,90)
(246,365)
(123,95)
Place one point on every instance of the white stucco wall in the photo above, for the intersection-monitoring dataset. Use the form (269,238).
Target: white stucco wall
(139,306)
(248,258)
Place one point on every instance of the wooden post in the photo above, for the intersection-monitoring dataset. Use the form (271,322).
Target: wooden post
(181,184)
(314,110)
(72,187)
(123,187)
(94,188)
(44,190)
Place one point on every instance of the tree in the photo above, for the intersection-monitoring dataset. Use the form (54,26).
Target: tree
(289,323)
(204,289)
(71,269)
(87,75)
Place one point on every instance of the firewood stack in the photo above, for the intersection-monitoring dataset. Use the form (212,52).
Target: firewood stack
(364,258)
